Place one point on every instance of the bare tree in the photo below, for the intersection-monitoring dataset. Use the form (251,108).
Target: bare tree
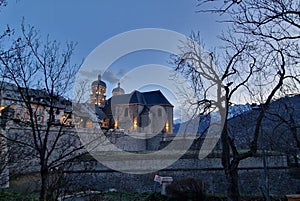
(3,3)
(260,56)
(43,74)
(233,75)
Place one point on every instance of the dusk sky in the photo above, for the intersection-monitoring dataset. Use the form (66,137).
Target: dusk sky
(90,23)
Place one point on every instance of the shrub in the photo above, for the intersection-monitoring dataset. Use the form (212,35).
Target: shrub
(186,189)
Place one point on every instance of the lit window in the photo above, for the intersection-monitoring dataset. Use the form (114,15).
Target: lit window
(63,119)
(167,126)
(134,123)
(89,124)
(116,124)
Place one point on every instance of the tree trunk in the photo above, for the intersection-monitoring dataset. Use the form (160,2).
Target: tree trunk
(230,167)
(233,193)
(44,182)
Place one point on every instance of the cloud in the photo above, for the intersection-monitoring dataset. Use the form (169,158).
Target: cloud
(121,73)
(110,77)
(89,74)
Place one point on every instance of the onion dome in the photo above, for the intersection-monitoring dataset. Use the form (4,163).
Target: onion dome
(118,90)
(99,82)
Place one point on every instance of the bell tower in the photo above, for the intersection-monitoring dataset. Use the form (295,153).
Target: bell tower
(98,92)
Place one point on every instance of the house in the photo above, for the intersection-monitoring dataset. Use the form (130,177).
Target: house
(39,102)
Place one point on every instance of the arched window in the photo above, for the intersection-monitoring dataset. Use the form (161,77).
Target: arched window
(167,126)
(126,112)
(159,112)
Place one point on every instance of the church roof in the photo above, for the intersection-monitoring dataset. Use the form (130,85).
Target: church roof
(88,110)
(100,113)
(142,98)
(118,90)
(10,91)
(99,82)
(155,98)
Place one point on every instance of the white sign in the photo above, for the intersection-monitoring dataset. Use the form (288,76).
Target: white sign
(157,178)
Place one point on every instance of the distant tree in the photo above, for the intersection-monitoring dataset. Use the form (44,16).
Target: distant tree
(283,128)
(259,59)
(43,74)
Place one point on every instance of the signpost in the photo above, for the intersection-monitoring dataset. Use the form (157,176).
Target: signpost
(164,181)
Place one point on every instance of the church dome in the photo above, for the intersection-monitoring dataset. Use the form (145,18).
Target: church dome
(118,90)
(99,82)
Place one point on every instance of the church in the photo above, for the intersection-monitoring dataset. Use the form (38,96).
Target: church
(147,112)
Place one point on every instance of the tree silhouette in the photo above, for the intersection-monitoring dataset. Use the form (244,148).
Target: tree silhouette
(258,63)
(42,74)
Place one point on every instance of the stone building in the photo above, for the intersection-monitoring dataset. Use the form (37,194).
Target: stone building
(147,112)
(39,101)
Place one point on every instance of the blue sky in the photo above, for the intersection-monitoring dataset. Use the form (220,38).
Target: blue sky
(91,22)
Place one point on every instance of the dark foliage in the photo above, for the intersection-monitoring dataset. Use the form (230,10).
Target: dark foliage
(186,189)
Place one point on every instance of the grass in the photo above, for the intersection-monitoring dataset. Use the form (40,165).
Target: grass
(247,198)
(8,195)
(116,196)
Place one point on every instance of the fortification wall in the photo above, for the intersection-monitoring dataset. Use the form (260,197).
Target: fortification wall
(88,174)
(92,175)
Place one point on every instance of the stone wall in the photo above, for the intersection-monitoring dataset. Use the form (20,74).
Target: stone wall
(91,175)
(136,141)
(88,174)
(4,171)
